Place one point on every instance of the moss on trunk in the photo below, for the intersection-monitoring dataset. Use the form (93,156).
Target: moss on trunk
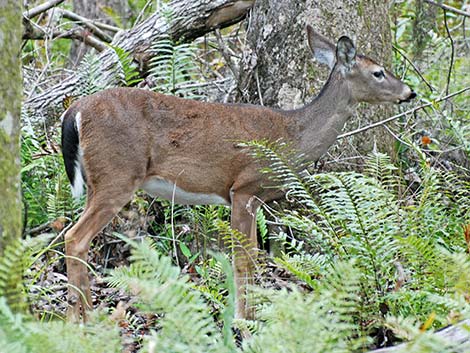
(10,110)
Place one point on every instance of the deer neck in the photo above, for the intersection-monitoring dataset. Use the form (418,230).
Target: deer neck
(319,123)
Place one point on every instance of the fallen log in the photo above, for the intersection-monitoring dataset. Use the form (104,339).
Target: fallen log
(189,19)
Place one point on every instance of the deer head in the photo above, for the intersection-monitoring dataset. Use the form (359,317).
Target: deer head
(367,81)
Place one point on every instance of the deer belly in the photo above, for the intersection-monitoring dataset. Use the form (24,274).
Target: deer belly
(166,189)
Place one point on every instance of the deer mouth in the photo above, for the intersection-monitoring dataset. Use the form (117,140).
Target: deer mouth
(407,99)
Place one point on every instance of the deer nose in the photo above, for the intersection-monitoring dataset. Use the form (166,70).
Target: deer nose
(407,99)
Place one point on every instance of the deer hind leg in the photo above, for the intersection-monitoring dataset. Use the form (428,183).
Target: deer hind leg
(100,209)
(244,258)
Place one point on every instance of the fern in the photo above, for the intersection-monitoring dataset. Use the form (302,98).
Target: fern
(321,321)
(238,243)
(305,266)
(186,325)
(353,217)
(283,166)
(17,281)
(173,70)
(11,329)
(379,167)
(44,182)
(229,310)
(129,71)
(262,224)
(20,333)
(91,78)
(11,275)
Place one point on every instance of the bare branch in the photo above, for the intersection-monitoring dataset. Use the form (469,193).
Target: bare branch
(452,53)
(35,32)
(382,122)
(106,27)
(448,8)
(87,23)
(88,39)
(41,8)
(191,19)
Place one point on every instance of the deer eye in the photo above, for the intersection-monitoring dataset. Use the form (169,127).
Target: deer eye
(379,74)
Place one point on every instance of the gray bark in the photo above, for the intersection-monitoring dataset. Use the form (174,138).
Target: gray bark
(278,69)
(10,108)
(191,19)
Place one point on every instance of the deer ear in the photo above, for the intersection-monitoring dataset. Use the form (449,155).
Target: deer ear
(323,50)
(346,52)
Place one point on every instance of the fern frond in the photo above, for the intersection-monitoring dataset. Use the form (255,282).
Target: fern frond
(262,225)
(364,214)
(236,241)
(91,78)
(187,325)
(172,68)
(20,333)
(329,312)
(379,166)
(287,170)
(12,268)
(129,73)
(284,165)
(305,266)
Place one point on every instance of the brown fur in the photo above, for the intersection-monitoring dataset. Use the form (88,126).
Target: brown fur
(131,135)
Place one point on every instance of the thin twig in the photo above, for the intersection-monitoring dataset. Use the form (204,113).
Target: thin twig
(35,32)
(343,160)
(86,38)
(60,235)
(173,196)
(258,87)
(106,27)
(385,121)
(141,14)
(225,53)
(448,8)
(202,84)
(395,136)
(449,73)
(431,88)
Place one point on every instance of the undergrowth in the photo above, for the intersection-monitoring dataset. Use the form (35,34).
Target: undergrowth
(379,256)
(381,265)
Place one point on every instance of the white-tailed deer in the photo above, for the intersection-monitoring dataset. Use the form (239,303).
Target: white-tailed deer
(119,140)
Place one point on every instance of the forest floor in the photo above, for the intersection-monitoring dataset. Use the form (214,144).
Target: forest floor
(49,295)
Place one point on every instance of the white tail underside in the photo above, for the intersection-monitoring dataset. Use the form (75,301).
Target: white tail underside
(78,183)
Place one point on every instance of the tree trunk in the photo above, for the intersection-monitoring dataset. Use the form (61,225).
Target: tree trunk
(191,19)
(10,108)
(279,70)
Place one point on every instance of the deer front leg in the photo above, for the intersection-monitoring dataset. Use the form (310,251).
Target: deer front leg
(244,257)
